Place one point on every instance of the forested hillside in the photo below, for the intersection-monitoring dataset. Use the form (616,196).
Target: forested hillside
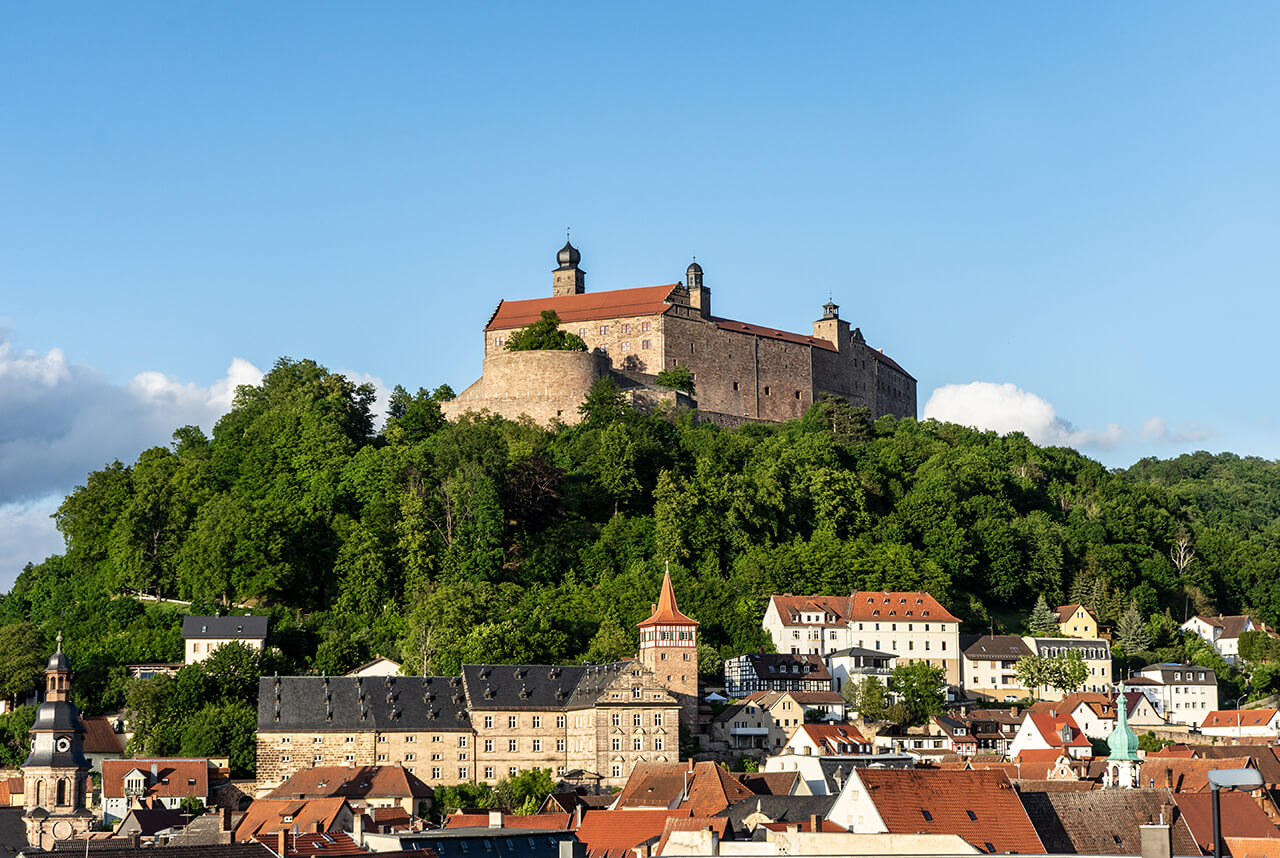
(489,540)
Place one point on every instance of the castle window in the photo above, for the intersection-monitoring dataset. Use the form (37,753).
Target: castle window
(637,744)
(626,328)
(644,344)
(498,341)
(604,330)
(797,394)
(560,721)
(559,744)
(488,745)
(766,390)
(657,719)
(735,385)
(657,743)
(537,744)
(626,346)
(582,332)
(644,326)
(488,772)
(537,721)
(635,719)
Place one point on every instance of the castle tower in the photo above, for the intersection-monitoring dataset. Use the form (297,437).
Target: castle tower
(699,295)
(669,647)
(568,278)
(56,774)
(831,327)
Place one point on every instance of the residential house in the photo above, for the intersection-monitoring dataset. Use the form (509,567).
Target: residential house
(994,729)
(700,789)
(1240,816)
(1096,712)
(987,668)
(826,774)
(1045,731)
(759,671)
(1077,621)
(104,739)
(808,625)
(377,666)
(764,719)
(827,740)
(266,817)
(163,782)
(852,664)
(203,635)
(1182,693)
(1241,723)
(980,806)
(364,787)
(1223,633)
(1097,658)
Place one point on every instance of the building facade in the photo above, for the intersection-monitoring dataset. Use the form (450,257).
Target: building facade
(1096,654)
(741,370)
(988,668)
(202,635)
(759,671)
(1182,693)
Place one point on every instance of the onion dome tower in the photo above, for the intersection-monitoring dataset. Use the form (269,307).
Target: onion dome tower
(568,278)
(56,774)
(669,647)
(1123,760)
(699,295)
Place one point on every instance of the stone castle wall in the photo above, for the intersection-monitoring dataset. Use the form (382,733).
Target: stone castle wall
(545,385)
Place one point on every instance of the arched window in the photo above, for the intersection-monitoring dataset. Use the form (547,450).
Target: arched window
(39,793)
(62,792)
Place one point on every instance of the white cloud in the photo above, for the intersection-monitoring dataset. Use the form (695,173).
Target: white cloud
(1005,408)
(27,535)
(1156,429)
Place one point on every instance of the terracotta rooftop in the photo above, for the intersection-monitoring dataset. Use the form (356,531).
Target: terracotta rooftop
(589,306)
(1064,612)
(792,608)
(357,782)
(868,605)
(718,824)
(1253,847)
(712,789)
(613,833)
(1184,775)
(266,815)
(980,806)
(174,777)
(1241,817)
(666,611)
(1262,757)
(1239,717)
(831,738)
(786,336)
(825,826)
(1050,724)
(654,785)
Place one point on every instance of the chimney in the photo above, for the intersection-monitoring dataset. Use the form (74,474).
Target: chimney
(815,823)
(577,816)
(572,849)
(357,829)
(1168,779)
(280,841)
(1013,710)
(495,819)
(318,827)
(155,772)
(226,819)
(1157,841)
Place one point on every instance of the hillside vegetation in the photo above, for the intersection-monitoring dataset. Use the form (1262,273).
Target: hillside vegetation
(489,540)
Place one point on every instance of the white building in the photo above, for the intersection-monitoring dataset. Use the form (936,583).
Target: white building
(203,635)
(1241,723)
(1223,633)
(1183,693)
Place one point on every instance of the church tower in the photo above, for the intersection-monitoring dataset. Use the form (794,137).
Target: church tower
(56,774)
(568,278)
(699,295)
(669,647)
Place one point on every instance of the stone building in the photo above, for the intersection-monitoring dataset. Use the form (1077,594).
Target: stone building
(589,723)
(741,370)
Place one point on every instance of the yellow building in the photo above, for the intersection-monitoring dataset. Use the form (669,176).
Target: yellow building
(1077,621)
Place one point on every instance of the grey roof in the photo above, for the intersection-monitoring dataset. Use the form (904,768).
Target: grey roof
(392,703)
(1103,822)
(1167,671)
(58,716)
(224,628)
(864,652)
(499,843)
(996,648)
(765,665)
(538,686)
(779,808)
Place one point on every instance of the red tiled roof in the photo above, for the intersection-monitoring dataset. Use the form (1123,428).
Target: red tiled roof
(1184,775)
(654,785)
(266,815)
(831,737)
(712,789)
(1241,817)
(666,611)
(613,833)
(184,777)
(389,818)
(334,843)
(358,782)
(1239,717)
(718,824)
(769,783)
(1253,847)
(980,806)
(792,608)
(1064,612)
(541,821)
(896,605)
(1050,726)
(589,306)
(775,334)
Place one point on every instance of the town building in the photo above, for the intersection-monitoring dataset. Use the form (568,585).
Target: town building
(913,626)
(825,740)
(56,774)
(1223,632)
(160,782)
(853,664)
(988,667)
(741,371)
(1077,621)
(1182,693)
(1041,731)
(363,787)
(1241,723)
(203,635)
(1096,653)
(760,671)
(764,720)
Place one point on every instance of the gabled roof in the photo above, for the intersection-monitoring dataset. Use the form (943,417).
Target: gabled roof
(100,736)
(825,826)
(791,609)
(770,665)
(586,307)
(1064,612)
(266,815)
(174,777)
(1185,775)
(654,785)
(997,648)
(1240,717)
(613,833)
(1050,725)
(831,739)
(897,605)
(333,843)
(1240,817)
(980,806)
(224,628)
(778,808)
(357,782)
(148,820)
(712,789)
(1103,822)
(666,612)
(1262,757)
(769,783)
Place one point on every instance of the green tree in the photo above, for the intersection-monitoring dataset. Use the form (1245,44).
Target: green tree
(611,643)
(524,792)
(614,464)
(1033,673)
(545,334)
(868,697)
(1043,622)
(920,688)
(1132,633)
(22,659)
(678,377)
(451,799)
(192,805)
(604,404)
(1067,671)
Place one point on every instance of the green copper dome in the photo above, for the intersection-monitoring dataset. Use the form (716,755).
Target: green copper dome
(1123,742)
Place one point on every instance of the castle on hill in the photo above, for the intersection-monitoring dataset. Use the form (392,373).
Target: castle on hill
(741,371)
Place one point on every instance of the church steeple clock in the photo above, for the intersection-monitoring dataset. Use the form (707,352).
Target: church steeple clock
(56,774)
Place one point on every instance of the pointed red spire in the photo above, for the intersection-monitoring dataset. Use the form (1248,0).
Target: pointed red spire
(666,612)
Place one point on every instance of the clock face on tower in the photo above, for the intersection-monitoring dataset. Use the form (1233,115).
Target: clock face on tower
(63,744)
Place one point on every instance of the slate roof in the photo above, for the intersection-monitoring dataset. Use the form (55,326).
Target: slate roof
(549,687)
(997,648)
(224,628)
(355,782)
(389,704)
(1187,674)
(980,806)
(1241,817)
(768,665)
(769,783)
(779,808)
(1104,822)
(472,842)
(148,820)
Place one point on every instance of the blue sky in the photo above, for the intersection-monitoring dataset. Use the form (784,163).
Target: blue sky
(1059,218)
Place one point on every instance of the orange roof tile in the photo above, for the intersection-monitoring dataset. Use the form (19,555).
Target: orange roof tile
(712,789)
(824,826)
(1241,817)
(613,833)
(358,782)
(266,815)
(1050,727)
(589,306)
(980,806)
(173,777)
(654,785)
(1239,717)
(718,824)
(775,334)
(1253,847)
(666,612)
(896,605)
(832,738)
(1186,775)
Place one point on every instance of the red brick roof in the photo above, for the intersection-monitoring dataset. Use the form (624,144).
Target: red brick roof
(654,785)
(832,738)
(266,815)
(335,843)
(980,806)
(358,782)
(1050,726)
(541,821)
(1253,847)
(870,605)
(613,833)
(775,334)
(1241,817)
(792,608)
(1239,717)
(589,306)
(174,778)
(666,611)
(718,824)
(1184,775)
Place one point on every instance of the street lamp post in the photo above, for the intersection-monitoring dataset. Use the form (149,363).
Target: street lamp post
(1239,728)
(1246,780)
